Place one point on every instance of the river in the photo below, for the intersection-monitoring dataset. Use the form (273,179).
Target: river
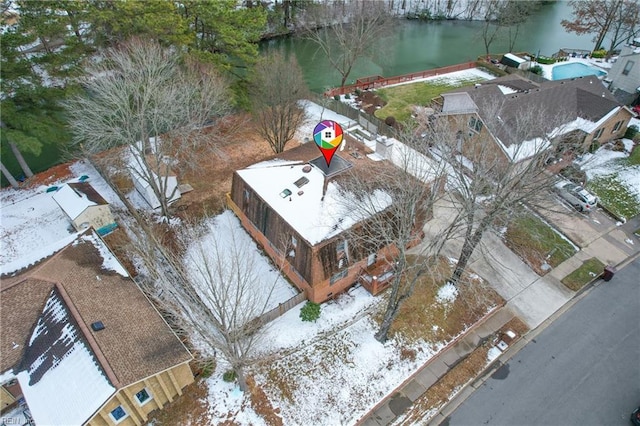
(416,46)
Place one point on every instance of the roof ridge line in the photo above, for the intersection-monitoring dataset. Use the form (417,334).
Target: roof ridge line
(93,344)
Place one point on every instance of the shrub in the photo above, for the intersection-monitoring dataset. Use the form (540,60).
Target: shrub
(229,376)
(537,69)
(336,97)
(347,96)
(544,60)
(310,312)
(390,121)
(594,147)
(207,368)
(631,132)
(599,53)
(358,92)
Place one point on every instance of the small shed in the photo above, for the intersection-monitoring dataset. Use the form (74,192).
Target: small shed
(85,207)
(511,60)
(144,188)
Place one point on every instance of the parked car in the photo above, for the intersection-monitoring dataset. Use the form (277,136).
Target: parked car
(635,417)
(581,199)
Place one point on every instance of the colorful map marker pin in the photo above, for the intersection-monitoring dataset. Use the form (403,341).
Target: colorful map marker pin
(328,136)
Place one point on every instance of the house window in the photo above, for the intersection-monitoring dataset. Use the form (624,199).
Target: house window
(337,277)
(143,396)
(341,247)
(294,242)
(598,134)
(118,414)
(617,127)
(246,195)
(475,124)
(371,259)
(627,68)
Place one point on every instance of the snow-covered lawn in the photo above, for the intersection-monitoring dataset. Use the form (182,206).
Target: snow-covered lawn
(332,371)
(615,181)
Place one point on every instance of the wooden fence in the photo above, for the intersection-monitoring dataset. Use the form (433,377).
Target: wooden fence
(283,307)
(365,84)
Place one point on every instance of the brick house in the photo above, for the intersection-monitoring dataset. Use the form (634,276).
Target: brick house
(291,206)
(594,114)
(83,344)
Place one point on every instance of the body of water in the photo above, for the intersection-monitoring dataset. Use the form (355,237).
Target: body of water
(416,46)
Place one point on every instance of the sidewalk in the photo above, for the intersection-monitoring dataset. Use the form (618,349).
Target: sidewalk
(532,298)
(412,389)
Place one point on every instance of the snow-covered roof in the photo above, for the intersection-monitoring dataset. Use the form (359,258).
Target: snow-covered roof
(62,381)
(75,198)
(314,217)
(515,58)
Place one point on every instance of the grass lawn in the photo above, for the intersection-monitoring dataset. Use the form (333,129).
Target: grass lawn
(634,158)
(400,98)
(589,270)
(614,195)
(534,241)
(421,317)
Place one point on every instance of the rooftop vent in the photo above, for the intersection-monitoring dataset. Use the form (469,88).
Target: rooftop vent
(301,182)
(97,326)
(285,193)
(306,169)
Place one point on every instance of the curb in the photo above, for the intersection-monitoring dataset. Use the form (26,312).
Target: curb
(513,349)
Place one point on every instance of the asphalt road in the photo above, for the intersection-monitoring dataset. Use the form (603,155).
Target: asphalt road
(584,369)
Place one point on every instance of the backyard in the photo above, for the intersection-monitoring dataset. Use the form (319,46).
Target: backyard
(400,99)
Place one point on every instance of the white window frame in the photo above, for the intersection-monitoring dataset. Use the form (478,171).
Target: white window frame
(338,276)
(597,134)
(146,400)
(617,126)
(121,418)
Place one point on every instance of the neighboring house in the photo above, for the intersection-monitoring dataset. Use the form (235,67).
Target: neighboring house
(625,74)
(592,112)
(84,343)
(292,205)
(85,207)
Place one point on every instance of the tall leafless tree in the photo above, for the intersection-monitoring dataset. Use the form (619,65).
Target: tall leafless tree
(616,19)
(489,183)
(350,32)
(413,182)
(276,88)
(213,292)
(154,102)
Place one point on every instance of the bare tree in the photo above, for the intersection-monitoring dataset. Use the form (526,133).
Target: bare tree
(276,88)
(213,292)
(146,98)
(492,25)
(348,33)
(617,19)
(489,182)
(413,183)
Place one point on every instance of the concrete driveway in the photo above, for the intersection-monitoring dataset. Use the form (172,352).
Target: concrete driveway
(581,228)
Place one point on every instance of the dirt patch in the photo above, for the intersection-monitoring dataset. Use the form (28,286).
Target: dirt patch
(189,408)
(238,148)
(369,101)
(261,404)
(49,176)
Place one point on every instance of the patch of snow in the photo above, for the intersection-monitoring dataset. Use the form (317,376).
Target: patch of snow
(36,255)
(109,261)
(224,231)
(619,223)
(316,113)
(493,354)
(451,78)
(7,376)
(447,294)
(628,144)
(226,401)
(506,90)
(629,241)
(272,163)
(511,334)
